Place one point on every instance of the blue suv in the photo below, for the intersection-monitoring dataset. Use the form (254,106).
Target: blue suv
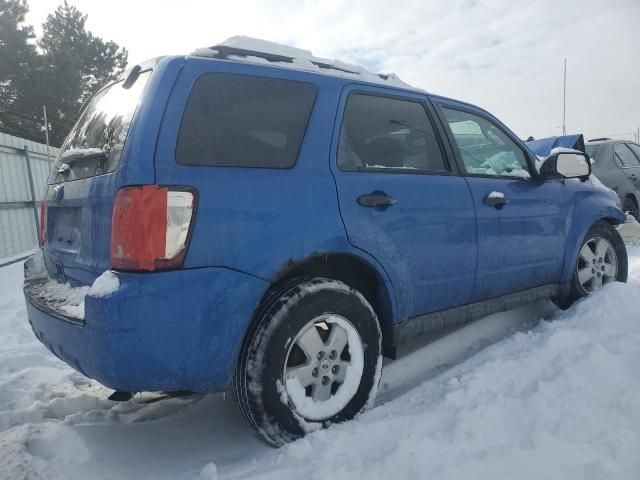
(248,221)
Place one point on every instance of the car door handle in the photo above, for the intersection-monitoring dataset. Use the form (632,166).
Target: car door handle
(495,200)
(633,176)
(376,199)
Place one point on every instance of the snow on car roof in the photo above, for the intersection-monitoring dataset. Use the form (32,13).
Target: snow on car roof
(253,50)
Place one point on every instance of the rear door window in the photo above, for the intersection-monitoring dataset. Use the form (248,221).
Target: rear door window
(387,134)
(235,120)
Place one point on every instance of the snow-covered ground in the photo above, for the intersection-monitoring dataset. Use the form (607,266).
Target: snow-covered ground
(532,393)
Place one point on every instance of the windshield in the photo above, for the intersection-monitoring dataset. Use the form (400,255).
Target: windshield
(96,141)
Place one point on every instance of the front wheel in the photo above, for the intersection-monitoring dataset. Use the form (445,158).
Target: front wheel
(602,259)
(312,358)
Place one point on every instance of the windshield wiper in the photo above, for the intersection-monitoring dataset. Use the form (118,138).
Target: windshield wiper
(82,154)
(70,157)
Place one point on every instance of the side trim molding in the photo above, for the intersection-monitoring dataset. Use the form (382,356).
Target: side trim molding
(396,335)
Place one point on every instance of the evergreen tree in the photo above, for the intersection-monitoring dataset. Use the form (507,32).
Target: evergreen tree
(70,65)
(18,63)
(75,65)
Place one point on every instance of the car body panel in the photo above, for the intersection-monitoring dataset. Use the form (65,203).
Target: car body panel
(520,245)
(432,213)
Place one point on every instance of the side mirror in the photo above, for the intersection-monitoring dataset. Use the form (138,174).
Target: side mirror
(567,165)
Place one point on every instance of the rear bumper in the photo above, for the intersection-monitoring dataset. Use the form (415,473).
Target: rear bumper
(177,330)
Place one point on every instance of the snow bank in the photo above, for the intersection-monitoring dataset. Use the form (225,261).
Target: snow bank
(557,399)
(302,60)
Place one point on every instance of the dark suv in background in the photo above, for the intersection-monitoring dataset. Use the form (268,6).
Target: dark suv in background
(617,165)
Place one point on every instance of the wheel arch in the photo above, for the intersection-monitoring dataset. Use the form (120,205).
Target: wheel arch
(578,231)
(350,269)
(356,272)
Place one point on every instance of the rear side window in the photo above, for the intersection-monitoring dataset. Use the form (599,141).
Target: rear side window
(235,120)
(387,133)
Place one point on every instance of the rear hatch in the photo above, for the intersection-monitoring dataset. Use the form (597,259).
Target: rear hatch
(92,166)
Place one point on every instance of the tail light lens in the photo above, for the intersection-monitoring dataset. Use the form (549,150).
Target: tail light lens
(43,224)
(150,227)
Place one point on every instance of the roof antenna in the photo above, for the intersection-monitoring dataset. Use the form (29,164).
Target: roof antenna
(564,101)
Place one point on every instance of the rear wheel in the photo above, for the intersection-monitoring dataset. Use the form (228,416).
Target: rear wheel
(312,358)
(602,259)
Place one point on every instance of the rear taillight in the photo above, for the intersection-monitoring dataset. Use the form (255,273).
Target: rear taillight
(43,224)
(150,227)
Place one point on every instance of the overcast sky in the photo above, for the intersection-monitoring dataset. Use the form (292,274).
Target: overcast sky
(503,55)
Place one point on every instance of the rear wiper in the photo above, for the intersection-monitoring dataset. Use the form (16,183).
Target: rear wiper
(68,158)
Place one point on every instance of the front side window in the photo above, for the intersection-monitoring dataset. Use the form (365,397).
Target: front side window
(625,155)
(387,134)
(484,147)
(233,120)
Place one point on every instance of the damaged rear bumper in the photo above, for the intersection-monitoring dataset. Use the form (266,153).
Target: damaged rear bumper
(174,330)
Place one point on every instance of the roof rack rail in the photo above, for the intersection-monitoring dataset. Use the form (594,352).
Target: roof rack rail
(224,52)
(598,139)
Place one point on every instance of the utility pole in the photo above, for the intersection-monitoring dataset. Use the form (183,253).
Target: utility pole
(46,129)
(564,101)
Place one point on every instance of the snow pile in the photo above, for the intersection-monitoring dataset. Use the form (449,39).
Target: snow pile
(559,401)
(302,60)
(34,267)
(62,296)
(105,285)
(556,399)
(66,299)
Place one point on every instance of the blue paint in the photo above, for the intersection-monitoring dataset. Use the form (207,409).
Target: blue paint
(438,247)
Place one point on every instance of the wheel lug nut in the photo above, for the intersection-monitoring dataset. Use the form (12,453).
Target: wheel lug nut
(320,355)
(314,372)
(335,369)
(593,270)
(333,355)
(325,380)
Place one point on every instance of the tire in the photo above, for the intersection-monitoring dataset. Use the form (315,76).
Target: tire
(593,270)
(287,383)
(631,207)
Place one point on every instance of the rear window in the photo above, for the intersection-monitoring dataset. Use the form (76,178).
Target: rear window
(235,120)
(95,143)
